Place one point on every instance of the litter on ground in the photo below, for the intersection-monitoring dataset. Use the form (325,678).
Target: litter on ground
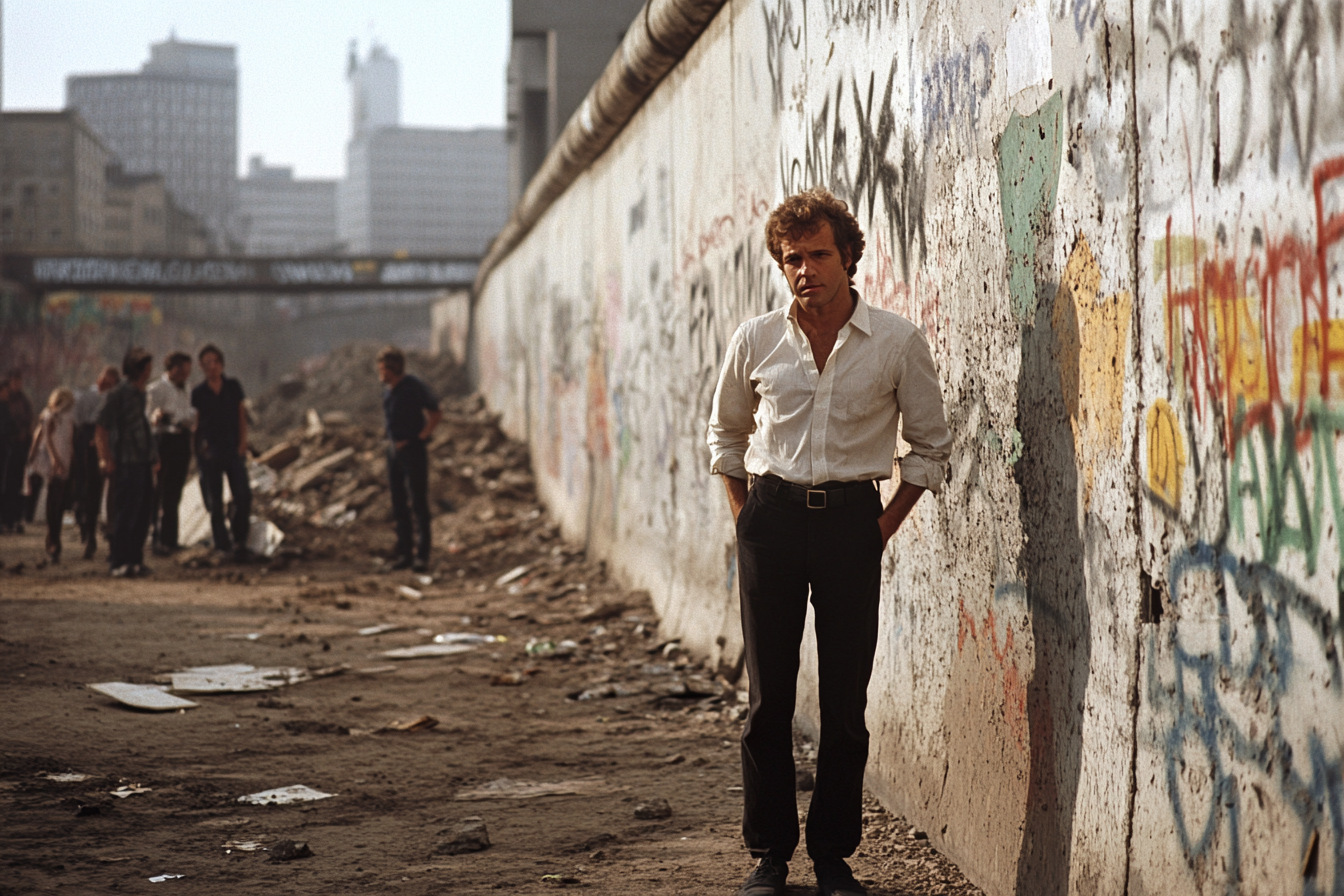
(424,650)
(280,796)
(126,790)
(142,696)
(235,678)
(508,789)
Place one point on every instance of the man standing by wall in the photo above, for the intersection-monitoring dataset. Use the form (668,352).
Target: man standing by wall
(221,450)
(411,412)
(806,410)
(172,417)
(88,484)
(129,459)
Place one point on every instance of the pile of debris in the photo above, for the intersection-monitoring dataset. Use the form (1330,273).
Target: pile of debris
(345,381)
(328,490)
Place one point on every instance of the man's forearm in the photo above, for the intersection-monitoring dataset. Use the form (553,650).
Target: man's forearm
(103,444)
(737,493)
(898,508)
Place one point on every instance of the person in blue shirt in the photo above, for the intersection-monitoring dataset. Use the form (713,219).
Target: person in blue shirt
(411,412)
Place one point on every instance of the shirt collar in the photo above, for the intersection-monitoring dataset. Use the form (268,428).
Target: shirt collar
(859,318)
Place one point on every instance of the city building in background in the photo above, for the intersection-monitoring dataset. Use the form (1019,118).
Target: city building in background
(53,183)
(178,117)
(375,90)
(279,215)
(433,191)
(558,50)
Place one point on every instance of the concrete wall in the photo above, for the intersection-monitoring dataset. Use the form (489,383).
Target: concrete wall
(1110,650)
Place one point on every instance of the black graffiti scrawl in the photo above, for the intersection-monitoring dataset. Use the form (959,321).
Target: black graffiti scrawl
(886,164)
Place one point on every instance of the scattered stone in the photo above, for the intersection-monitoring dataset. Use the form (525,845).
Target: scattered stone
(471,836)
(308,726)
(652,809)
(289,850)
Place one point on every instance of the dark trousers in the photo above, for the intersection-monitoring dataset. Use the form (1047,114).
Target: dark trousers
(408,479)
(87,482)
(56,491)
(133,485)
(784,548)
(213,470)
(12,499)
(174,460)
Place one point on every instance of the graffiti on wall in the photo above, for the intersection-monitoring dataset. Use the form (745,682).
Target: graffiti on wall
(1210,690)
(1266,88)
(1253,350)
(1029,156)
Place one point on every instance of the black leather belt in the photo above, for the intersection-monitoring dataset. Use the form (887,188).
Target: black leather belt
(818,497)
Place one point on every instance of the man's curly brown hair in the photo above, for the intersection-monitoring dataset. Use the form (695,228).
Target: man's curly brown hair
(802,213)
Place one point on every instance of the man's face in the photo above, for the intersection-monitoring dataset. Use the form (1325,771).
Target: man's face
(386,376)
(106,381)
(815,268)
(211,366)
(178,375)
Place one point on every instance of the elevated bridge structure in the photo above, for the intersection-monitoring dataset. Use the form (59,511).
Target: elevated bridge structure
(44,274)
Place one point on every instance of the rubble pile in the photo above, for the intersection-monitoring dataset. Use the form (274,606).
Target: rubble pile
(345,382)
(329,490)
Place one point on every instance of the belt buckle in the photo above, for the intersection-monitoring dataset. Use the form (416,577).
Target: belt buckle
(816,491)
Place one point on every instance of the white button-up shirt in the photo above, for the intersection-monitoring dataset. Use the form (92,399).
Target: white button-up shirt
(174,401)
(774,413)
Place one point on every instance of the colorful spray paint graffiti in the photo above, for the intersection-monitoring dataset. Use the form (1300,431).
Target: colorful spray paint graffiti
(1253,351)
(1243,657)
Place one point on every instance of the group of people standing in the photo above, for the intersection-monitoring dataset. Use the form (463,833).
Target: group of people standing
(136,437)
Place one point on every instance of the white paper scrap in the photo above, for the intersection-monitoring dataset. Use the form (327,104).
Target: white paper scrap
(163,877)
(294,793)
(424,650)
(141,696)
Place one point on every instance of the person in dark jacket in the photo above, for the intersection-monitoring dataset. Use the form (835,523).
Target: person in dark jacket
(128,456)
(14,509)
(221,450)
(9,437)
(87,485)
(411,412)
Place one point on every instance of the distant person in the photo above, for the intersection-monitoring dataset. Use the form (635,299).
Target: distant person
(87,481)
(9,440)
(128,457)
(221,450)
(14,508)
(172,418)
(411,412)
(51,458)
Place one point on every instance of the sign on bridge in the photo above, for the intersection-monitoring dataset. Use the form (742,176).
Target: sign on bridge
(47,273)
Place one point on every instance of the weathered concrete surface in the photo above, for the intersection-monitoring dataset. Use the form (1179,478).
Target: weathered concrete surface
(1110,654)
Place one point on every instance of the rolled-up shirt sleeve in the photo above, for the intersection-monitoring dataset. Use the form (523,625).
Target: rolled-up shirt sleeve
(732,419)
(923,426)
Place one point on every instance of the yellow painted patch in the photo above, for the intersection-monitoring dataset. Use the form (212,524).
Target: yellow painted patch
(1241,350)
(1184,251)
(1091,337)
(1308,364)
(1166,453)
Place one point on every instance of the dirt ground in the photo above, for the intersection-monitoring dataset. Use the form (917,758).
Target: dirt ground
(599,705)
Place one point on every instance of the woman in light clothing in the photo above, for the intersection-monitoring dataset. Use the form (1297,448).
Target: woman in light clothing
(51,457)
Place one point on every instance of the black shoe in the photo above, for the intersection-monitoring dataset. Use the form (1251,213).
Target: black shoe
(401,563)
(767,879)
(89,549)
(242,554)
(835,879)
(140,570)
(420,566)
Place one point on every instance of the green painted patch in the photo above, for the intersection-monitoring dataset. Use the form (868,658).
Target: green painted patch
(1029,157)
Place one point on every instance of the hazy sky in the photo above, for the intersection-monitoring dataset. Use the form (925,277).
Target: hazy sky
(293,105)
